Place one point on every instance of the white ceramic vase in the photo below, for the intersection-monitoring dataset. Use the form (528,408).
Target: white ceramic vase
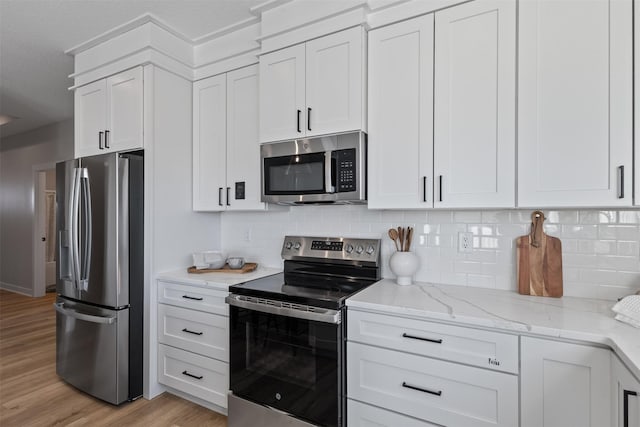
(404,265)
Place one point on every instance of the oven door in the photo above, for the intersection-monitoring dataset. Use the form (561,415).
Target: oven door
(289,363)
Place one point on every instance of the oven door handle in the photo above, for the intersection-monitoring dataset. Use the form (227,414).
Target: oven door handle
(323,315)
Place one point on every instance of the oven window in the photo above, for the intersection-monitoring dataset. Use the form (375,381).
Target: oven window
(297,174)
(287,363)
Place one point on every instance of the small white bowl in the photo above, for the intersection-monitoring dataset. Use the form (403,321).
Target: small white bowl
(235,263)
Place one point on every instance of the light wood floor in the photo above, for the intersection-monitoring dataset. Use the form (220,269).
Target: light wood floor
(31,394)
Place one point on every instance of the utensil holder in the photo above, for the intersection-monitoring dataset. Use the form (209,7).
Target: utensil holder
(404,265)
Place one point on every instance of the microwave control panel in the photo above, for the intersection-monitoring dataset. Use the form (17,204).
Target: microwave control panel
(345,170)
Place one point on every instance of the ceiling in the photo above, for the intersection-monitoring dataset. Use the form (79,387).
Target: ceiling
(34,34)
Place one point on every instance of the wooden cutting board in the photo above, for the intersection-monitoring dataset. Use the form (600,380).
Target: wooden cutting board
(247,268)
(539,261)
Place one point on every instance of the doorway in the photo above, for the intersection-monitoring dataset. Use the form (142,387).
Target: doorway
(44,259)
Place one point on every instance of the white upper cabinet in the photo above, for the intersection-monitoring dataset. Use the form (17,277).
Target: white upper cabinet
(226,152)
(575,103)
(636,33)
(243,150)
(209,143)
(334,90)
(474,112)
(564,384)
(400,145)
(313,88)
(108,114)
(446,140)
(282,94)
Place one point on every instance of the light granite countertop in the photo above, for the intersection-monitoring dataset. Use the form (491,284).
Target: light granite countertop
(220,281)
(581,319)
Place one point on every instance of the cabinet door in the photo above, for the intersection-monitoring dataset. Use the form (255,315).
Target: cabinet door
(564,384)
(575,103)
(625,391)
(282,97)
(636,77)
(243,148)
(124,116)
(209,143)
(334,82)
(90,110)
(474,112)
(400,144)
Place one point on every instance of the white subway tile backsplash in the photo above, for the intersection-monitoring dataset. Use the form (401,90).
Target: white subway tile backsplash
(601,249)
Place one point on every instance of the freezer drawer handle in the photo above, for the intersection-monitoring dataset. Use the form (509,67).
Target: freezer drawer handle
(424,390)
(191,332)
(626,394)
(198,377)
(193,298)
(413,337)
(81,316)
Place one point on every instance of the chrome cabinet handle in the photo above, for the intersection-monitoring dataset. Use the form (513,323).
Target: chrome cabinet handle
(414,337)
(299,112)
(440,190)
(100,146)
(220,196)
(228,190)
(625,414)
(422,389)
(308,118)
(424,188)
(106,139)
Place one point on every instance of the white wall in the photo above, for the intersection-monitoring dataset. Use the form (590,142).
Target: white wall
(600,248)
(18,156)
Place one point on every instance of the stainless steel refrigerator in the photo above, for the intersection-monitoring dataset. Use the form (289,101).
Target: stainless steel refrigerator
(99,307)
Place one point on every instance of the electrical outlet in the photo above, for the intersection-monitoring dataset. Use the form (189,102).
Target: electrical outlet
(465,242)
(247,235)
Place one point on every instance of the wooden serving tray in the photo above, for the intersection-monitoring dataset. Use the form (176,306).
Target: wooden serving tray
(248,267)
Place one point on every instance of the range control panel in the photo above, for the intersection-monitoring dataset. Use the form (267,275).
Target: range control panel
(331,248)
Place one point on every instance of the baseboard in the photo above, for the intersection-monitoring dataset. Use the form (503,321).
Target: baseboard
(16,289)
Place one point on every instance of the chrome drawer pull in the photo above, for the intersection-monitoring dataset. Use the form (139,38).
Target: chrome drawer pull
(193,298)
(413,337)
(424,390)
(191,332)
(198,377)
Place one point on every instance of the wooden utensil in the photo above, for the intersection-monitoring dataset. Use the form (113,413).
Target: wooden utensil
(409,237)
(393,235)
(539,261)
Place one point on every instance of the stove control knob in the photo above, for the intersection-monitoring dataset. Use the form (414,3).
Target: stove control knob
(348,248)
(288,245)
(296,245)
(359,249)
(370,249)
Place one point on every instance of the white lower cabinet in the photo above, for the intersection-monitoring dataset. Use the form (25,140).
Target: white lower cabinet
(193,336)
(363,415)
(564,384)
(417,379)
(625,393)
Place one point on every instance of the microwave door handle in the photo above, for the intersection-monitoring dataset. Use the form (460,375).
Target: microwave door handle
(328,173)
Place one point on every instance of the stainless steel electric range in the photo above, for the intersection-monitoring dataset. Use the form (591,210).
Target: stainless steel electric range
(287,334)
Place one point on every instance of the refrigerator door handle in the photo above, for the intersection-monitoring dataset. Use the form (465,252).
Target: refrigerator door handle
(74,220)
(86,200)
(59,306)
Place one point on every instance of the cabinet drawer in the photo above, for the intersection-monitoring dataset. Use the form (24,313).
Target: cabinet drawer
(432,390)
(203,333)
(361,415)
(203,299)
(196,375)
(491,350)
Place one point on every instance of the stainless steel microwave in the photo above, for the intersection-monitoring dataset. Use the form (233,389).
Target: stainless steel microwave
(326,169)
